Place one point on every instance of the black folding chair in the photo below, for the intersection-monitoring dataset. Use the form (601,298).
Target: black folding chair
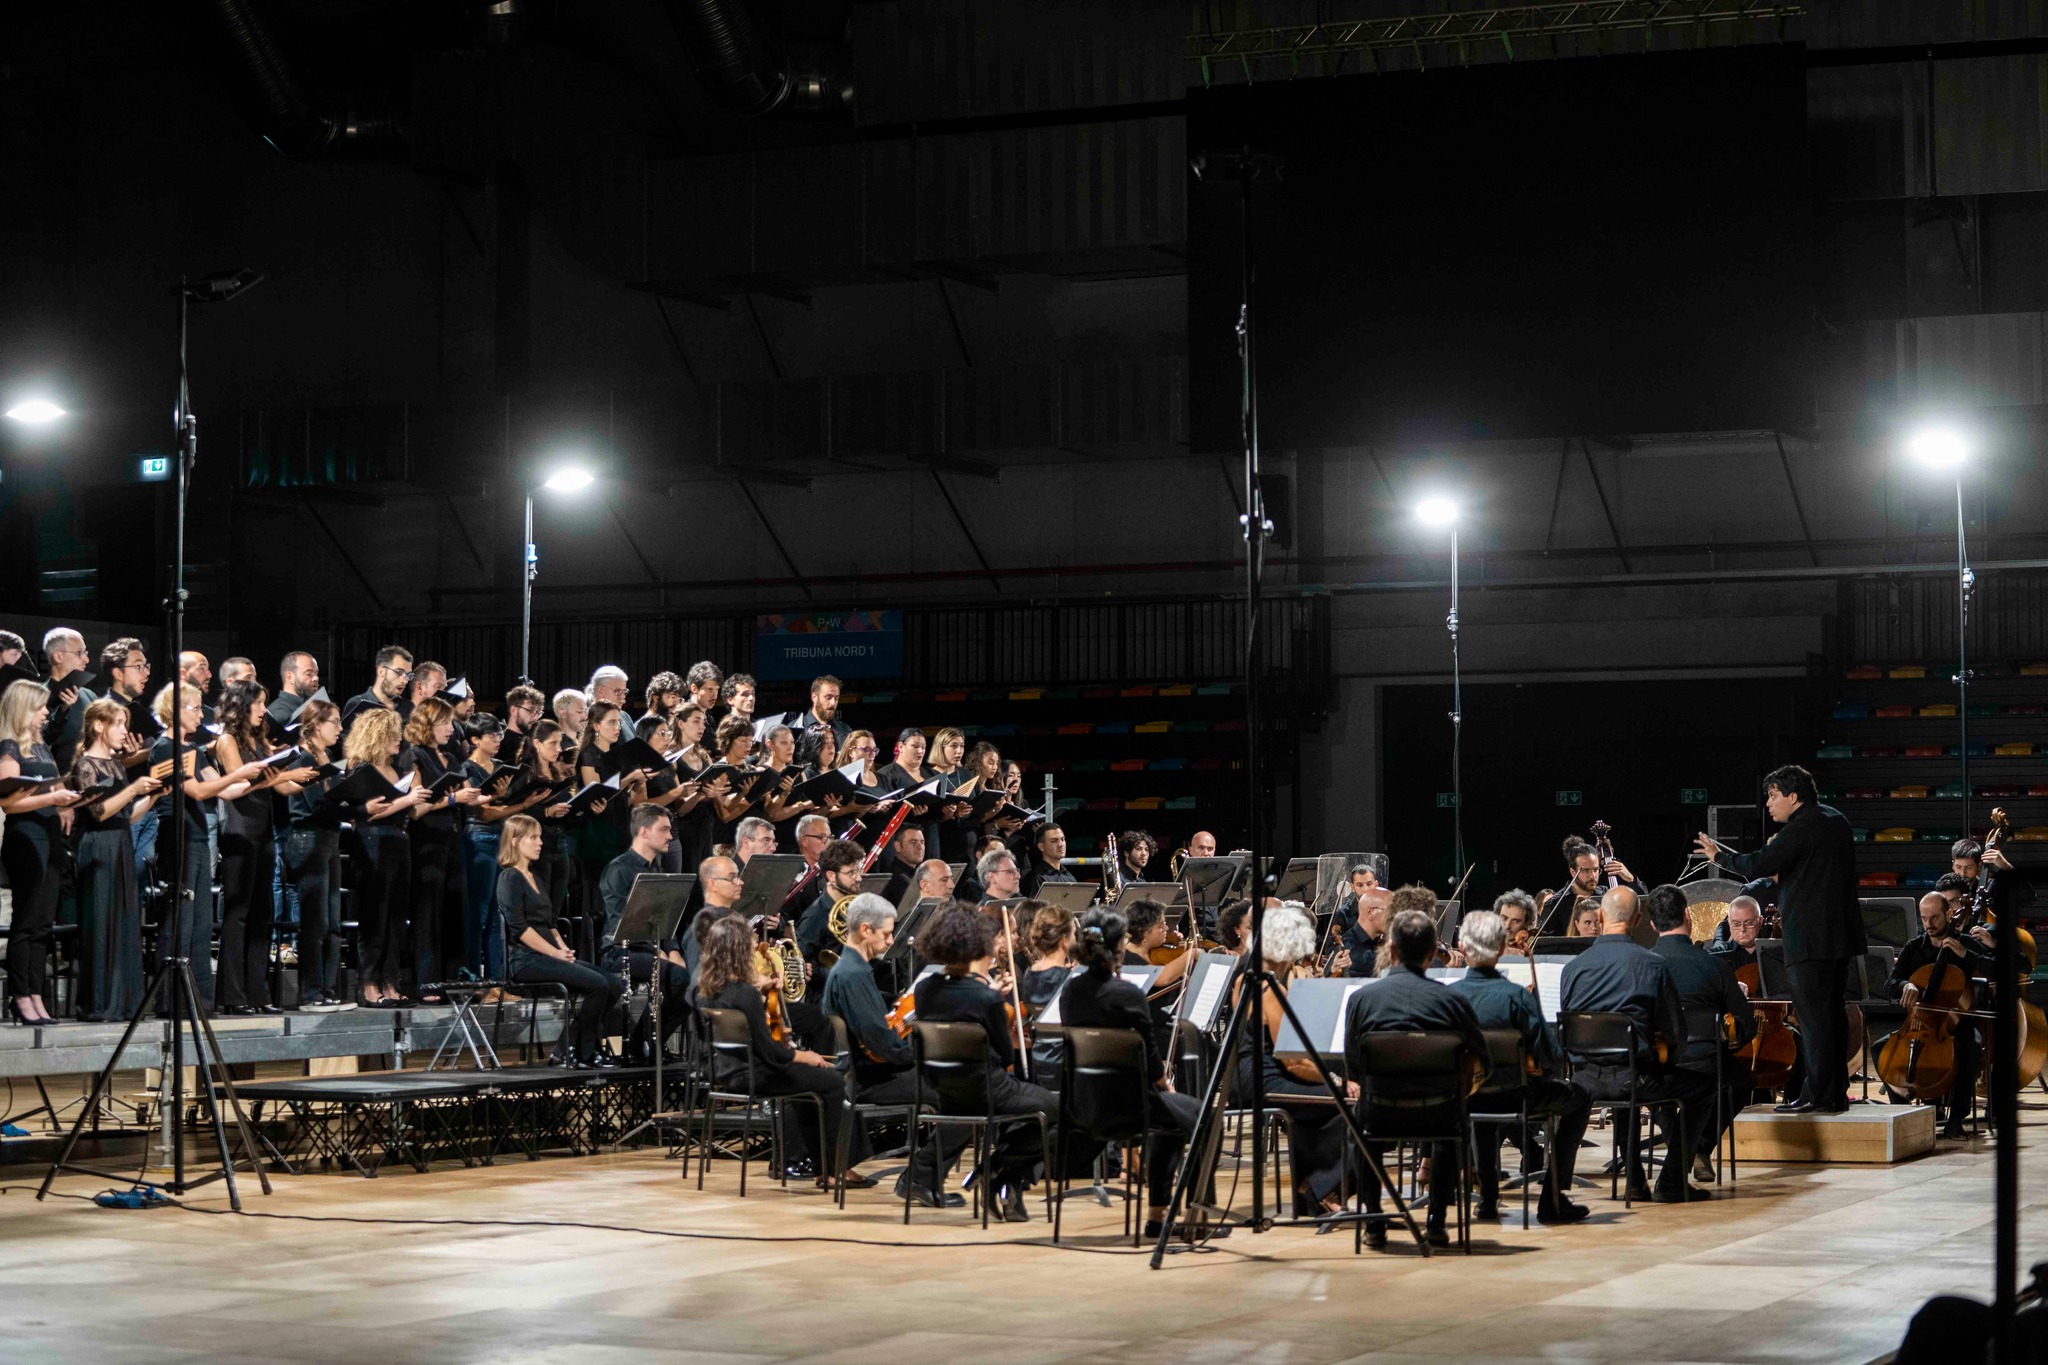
(728,1035)
(1595,1038)
(953,1059)
(1104,1074)
(857,1111)
(1508,1053)
(1428,1069)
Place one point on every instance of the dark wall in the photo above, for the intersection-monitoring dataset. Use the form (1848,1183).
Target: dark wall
(1629,748)
(1586,246)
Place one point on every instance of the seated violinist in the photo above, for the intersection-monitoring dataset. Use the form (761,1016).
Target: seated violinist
(1972,956)
(730,976)
(1517,911)
(962,941)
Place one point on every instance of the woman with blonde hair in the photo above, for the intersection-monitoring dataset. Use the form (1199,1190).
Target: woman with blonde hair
(109,908)
(537,952)
(36,825)
(384,854)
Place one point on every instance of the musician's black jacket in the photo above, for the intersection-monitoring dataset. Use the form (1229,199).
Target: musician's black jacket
(874,1053)
(1561,901)
(1406,1000)
(1814,856)
(1499,1003)
(1619,976)
(1707,990)
(1977,961)
(1097,999)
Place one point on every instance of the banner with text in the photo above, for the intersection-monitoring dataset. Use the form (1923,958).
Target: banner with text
(850,644)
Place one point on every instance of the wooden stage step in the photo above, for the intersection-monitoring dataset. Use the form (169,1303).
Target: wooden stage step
(1879,1134)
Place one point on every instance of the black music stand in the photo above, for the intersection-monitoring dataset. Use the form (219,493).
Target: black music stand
(1072,897)
(766,884)
(1300,876)
(654,914)
(902,955)
(1206,882)
(1559,945)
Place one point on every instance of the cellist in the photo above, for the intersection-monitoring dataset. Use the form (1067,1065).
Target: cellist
(1971,955)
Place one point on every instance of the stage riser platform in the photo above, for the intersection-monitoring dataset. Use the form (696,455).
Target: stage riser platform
(1869,1134)
(72,1049)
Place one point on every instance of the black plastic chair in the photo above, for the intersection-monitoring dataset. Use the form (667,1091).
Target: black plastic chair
(1599,1038)
(1104,1074)
(857,1111)
(1704,1024)
(954,1059)
(1431,1067)
(727,1034)
(531,993)
(1508,1053)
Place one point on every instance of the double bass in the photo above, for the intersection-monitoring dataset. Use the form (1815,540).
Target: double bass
(1977,913)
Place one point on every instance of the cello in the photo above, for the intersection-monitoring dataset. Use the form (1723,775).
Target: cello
(1919,1060)
(1771,1054)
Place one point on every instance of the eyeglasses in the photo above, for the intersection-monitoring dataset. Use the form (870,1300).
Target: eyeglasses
(398,672)
(726,877)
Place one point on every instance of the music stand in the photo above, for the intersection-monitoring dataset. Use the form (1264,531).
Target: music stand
(1447,916)
(902,954)
(654,914)
(1168,894)
(1073,897)
(1559,945)
(1205,882)
(875,883)
(766,884)
(1203,993)
(1298,882)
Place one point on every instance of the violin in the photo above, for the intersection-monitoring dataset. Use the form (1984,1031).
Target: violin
(902,1013)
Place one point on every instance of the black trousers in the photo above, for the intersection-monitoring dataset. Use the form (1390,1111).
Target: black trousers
(27,850)
(1662,1089)
(1017,1153)
(798,1122)
(312,859)
(383,888)
(1382,1122)
(1566,1101)
(438,902)
(248,910)
(596,992)
(1818,990)
(1172,1116)
(935,1158)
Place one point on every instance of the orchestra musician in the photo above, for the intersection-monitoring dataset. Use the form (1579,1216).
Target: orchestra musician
(1202,844)
(1585,922)
(1096,997)
(1362,935)
(1590,879)
(1405,1000)
(1616,975)
(652,841)
(878,1063)
(1973,954)
(1498,1003)
(839,873)
(962,941)
(997,873)
(1517,910)
(1135,850)
(1049,940)
(1814,858)
(1709,995)
(1048,852)
(1316,1136)
(934,880)
(1744,922)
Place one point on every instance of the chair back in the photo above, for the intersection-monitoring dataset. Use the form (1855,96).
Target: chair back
(1599,1038)
(952,1057)
(1409,1065)
(841,1038)
(1506,1050)
(727,1032)
(1103,1078)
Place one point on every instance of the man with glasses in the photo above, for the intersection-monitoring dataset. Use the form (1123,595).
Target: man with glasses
(525,707)
(126,668)
(300,675)
(718,878)
(387,687)
(65,650)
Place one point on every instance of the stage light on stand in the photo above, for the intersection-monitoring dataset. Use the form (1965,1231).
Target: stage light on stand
(1436,511)
(1441,511)
(35,412)
(570,479)
(1938,447)
(567,478)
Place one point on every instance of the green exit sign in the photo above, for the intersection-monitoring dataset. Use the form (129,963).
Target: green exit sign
(1446,800)
(1571,798)
(153,468)
(1692,796)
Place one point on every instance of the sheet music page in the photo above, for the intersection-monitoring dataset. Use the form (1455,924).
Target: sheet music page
(1137,976)
(1550,985)
(1202,1013)
(1343,1009)
(1517,972)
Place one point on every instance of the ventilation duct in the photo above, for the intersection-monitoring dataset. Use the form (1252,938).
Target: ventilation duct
(285,114)
(743,70)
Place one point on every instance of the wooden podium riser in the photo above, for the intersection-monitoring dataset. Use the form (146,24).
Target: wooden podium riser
(1869,1134)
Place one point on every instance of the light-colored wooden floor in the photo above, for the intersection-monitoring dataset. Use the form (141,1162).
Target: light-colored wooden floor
(1805,1264)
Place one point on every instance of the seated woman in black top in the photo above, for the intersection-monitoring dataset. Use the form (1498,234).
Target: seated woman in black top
(538,952)
(962,940)
(1315,1143)
(731,977)
(1096,997)
(1049,938)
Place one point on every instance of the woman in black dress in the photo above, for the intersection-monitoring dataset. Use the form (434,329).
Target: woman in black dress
(547,759)
(731,977)
(538,952)
(383,872)
(601,835)
(694,818)
(735,744)
(36,826)
(109,908)
(963,941)
(437,896)
(312,856)
(1049,939)
(248,853)
(1096,997)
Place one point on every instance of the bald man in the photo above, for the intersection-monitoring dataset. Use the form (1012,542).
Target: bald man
(1616,975)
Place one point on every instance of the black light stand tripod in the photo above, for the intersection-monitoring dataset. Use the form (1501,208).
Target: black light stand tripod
(173,982)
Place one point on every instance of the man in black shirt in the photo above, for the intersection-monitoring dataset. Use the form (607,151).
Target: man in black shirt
(1590,879)
(1972,956)
(387,689)
(1736,939)
(839,874)
(651,835)
(997,872)
(1406,1000)
(1708,995)
(1619,976)
(1498,1003)
(1814,859)
(1362,935)
(299,676)
(877,1061)
(65,650)
(1048,849)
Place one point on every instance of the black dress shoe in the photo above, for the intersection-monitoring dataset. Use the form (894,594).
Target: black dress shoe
(805,1169)
(1489,1213)
(1376,1236)
(1012,1205)
(1684,1194)
(1795,1107)
(1435,1235)
(1565,1212)
(918,1194)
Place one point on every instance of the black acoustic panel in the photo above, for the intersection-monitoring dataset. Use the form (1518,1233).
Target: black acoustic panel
(1608,245)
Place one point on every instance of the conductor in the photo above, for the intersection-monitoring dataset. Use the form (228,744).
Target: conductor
(1814,859)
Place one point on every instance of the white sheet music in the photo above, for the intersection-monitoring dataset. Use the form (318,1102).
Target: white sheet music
(1202,1012)
(1550,985)
(1343,1011)
(1140,977)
